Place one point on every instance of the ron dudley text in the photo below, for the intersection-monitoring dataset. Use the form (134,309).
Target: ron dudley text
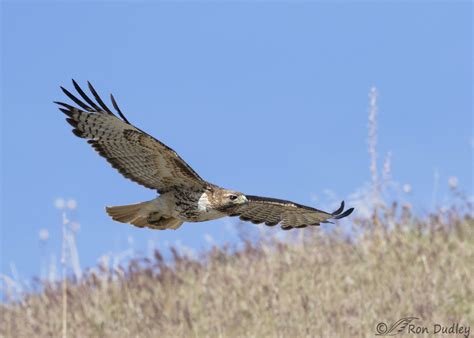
(454,329)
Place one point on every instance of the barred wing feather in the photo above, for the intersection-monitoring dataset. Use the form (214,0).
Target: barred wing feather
(272,211)
(135,154)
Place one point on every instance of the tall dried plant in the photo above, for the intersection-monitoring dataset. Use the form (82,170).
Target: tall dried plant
(372,142)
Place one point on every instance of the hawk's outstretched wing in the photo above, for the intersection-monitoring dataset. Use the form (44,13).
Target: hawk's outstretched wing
(135,154)
(272,211)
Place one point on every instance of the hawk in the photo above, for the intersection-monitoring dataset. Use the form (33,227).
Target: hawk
(183,195)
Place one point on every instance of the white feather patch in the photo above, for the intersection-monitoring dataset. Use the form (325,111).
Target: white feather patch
(203,203)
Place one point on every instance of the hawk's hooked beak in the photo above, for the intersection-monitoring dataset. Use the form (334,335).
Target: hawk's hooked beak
(243,199)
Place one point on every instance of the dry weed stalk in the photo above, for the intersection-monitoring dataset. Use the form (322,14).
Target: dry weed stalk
(64,275)
(372,141)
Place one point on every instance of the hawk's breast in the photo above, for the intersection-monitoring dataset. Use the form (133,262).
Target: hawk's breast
(195,206)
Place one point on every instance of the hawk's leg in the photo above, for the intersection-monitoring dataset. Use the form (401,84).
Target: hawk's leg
(154,217)
(156,221)
(159,222)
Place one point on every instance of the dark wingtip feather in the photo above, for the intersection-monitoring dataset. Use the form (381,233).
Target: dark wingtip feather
(85,97)
(345,214)
(98,99)
(338,211)
(114,103)
(72,122)
(76,100)
(78,133)
(67,112)
(271,224)
(68,106)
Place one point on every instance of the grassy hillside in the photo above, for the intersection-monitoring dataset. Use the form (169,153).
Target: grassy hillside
(309,284)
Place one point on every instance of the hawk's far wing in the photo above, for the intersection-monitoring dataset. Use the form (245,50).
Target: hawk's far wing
(135,154)
(272,211)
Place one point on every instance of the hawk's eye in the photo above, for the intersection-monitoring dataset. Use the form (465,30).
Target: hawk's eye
(233,197)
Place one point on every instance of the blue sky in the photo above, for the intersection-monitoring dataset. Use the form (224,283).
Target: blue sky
(268,98)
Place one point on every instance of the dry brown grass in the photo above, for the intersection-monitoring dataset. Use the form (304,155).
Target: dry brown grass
(321,285)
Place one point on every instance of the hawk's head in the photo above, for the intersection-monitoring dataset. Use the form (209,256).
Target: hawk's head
(223,199)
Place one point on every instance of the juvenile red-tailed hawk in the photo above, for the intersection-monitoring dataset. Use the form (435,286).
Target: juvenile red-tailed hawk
(184,195)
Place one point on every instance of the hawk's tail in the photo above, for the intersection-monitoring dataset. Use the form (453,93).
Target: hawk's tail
(139,215)
(133,213)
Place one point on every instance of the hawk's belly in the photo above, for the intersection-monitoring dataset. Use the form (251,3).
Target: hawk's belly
(201,216)
(190,206)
